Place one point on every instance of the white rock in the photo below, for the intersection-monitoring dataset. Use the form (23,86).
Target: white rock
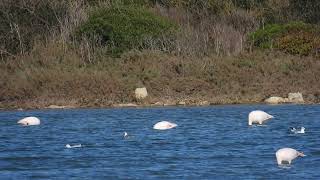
(258,117)
(275,100)
(203,103)
(125,105)
(182,103)
(29,121)
(287,155)
(158,103)
(170,103)
(59,107)
(164,125)
(141,93)
(295,97)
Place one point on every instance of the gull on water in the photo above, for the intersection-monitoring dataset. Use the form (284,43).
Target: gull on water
(125,134)
(296,131)
(73,146)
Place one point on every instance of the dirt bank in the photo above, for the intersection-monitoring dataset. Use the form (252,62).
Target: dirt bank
(51,78)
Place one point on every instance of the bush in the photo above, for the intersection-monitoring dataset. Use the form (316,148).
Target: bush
(24,21)
(294,38)
(263,38)
(124,28)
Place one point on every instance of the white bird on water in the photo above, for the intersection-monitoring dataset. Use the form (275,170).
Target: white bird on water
(287,155)
(29,121)
(73,146)
(164,125)
(258,117)
(296,131)
(125,134)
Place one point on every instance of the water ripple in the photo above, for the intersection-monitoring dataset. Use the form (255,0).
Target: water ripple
(209,143)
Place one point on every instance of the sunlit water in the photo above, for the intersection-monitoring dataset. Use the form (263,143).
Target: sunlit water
(209,143)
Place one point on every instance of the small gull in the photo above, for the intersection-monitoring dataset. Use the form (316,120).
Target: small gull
(125,134)
(73,146)
(296,131)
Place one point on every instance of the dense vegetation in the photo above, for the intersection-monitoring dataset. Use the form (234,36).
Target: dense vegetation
(124,28)
(95,53)
(296,38)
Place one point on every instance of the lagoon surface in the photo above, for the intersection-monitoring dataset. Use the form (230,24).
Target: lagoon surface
(212,142)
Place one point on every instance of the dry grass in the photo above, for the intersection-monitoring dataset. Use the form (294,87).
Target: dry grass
(207,62)
(50,75)
(209,34)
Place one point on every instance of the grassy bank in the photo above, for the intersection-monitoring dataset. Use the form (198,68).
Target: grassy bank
(48,77)
(95,53)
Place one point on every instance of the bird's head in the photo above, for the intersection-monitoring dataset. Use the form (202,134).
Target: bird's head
(301,154)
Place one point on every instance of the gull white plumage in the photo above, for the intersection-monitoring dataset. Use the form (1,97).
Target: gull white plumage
(73,146)
(296,131)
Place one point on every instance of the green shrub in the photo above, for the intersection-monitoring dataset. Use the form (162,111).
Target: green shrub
(263,38)
(295,38)
(124,28)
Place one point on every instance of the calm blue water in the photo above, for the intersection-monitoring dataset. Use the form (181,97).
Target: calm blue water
(209,143)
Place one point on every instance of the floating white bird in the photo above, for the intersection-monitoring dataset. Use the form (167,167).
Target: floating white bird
(287,155)
(125,134)
(163,125)
(29,121)
(258,117)
(294,130)
(73,146)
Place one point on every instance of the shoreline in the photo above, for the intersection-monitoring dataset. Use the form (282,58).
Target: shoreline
(169,81)
(141,105)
